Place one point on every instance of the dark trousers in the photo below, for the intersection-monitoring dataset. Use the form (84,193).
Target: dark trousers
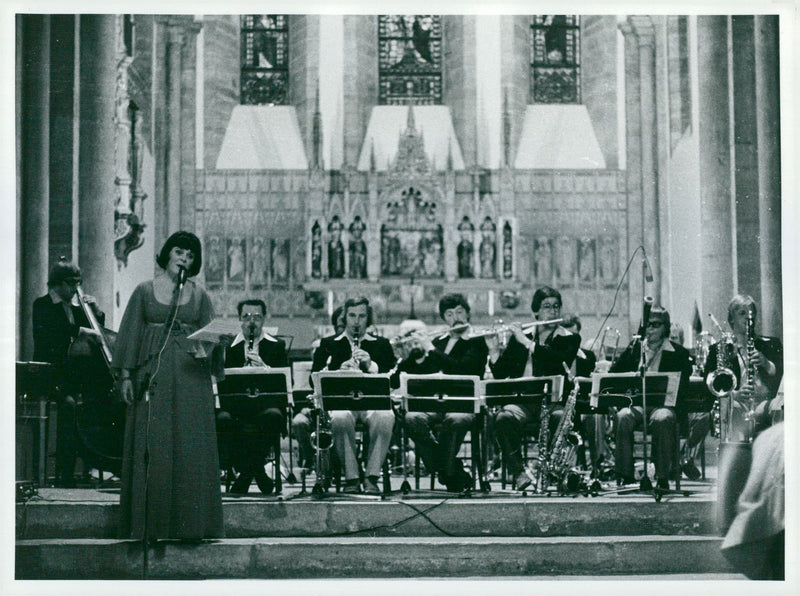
(66,442)
(439,454)
(246,443)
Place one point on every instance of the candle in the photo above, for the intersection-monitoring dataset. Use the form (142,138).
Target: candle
(491,303)
(330,303)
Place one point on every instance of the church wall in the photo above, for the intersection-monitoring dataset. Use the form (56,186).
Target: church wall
(599,80)
(221,86)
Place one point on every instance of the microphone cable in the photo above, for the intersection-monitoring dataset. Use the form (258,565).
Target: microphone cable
(616,293)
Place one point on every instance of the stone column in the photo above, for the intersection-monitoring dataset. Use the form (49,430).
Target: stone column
(188,160)
(633,181)
(714,141)
(96,171)
(645,34)
(769,171)
(176,37)
(35,171)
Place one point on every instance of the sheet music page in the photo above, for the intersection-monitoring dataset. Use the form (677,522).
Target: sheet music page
(215,328)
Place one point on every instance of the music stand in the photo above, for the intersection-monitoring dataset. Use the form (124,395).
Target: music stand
(301,392)
(248,391)
(444,393)
(628,389)
(36,381)
(351,390)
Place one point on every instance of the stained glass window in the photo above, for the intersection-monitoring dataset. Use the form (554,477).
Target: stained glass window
(409,59)
(265,59)
(555,59)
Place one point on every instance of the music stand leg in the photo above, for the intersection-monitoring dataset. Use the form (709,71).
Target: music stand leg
(291,478)
(405,487)
(42,442)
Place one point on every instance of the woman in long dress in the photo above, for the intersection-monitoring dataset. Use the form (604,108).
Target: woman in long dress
(170,467)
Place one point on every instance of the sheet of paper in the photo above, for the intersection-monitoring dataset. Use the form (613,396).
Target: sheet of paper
(217,327)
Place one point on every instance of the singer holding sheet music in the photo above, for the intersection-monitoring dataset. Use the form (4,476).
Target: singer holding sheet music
(170,465)
(661,355)
(247,442)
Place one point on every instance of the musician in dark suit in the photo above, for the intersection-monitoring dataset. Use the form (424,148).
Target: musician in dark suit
(58,320)
(768,367)
(661,355)
(355,349)
(247,442)
(544,351)
(453,353)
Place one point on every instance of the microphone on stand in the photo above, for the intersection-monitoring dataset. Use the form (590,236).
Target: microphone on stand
(648,272)
(181,277)
(647,306)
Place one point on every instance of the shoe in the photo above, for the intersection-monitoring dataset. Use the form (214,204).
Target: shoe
(624,480)
(242,484)
(662,484)
(371,486)
(351,487)
(690,470)
(265,483)
(459,481)
(524,479)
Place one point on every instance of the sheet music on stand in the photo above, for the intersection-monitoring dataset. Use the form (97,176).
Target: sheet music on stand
(249,390)
(353,390)
(441,393)
(623,390)
(523,390)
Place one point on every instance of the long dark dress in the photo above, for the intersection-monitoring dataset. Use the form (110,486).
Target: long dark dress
(175,428)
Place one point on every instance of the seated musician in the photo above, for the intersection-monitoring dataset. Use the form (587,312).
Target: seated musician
(58,320)
(302,422)
(354,349)
(768,367)
(248,448)
(662,355)
(453,353)
(542,352)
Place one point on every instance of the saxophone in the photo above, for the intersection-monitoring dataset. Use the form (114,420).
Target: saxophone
(754,388)
(542,476)
(565,442)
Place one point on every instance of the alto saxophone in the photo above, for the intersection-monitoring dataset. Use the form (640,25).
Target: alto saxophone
(542,476)
(565,442)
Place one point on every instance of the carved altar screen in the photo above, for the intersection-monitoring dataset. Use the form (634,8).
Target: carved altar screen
(555,59)
(265,59)
(409,59)
(412,240)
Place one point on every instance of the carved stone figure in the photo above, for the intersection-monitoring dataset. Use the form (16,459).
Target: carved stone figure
(335,249)
(358,249)
(465,249)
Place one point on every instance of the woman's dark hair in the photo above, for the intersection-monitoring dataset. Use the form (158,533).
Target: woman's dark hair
(449,301)
(185,240)
(351,302)
(63,271)
(252,302)
(540,295)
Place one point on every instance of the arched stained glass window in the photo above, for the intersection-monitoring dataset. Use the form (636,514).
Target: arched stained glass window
(409,59)
(555,59)
(265,59)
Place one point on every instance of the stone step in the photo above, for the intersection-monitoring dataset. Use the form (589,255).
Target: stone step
(362,557)
(251,517)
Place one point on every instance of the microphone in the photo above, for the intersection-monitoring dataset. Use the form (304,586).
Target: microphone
(647,305)
(181,276)
(648,273)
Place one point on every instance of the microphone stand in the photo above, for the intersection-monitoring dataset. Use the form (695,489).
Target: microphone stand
(645,485)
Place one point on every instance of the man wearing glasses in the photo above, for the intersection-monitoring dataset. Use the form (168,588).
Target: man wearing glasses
(543,351)
(248,450)
(662,355)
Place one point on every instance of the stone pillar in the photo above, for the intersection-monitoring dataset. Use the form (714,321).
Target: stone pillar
(769,171)
(35,171)
(360,84)
(633,183)
(188,158)
(174,64)
(96,170)
(645,34)
(714,141)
